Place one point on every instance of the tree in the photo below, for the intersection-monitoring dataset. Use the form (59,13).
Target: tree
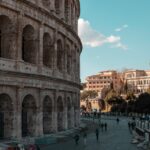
(143,103)
(102,105)
(83,108)
(88,94)
(130,96)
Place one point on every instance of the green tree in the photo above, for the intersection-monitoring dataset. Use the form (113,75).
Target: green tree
(142,104)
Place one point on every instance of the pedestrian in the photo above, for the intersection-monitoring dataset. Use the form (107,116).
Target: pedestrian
(105,125)
(129,125)
(85,138)
(97,134)
(76,137)
(102,125)
(117,120)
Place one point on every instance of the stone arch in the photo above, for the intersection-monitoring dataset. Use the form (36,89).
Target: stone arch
(69,106)
(6,116)
(57,6)
(67,10)
(6,37)
(47,115)
(29,112)
(60,117)
(47,50)
(60,55)
(68,52)
(29,45)
(46,3)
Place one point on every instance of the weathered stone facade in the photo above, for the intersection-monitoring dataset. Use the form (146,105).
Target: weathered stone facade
(39,67)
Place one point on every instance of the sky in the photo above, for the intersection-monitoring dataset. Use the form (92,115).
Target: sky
(115,35)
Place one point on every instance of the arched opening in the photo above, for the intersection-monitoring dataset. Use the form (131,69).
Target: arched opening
(6,116)
(29,51)
(57,6)
(66,10)
(60,116)
(6,37)
(60,55)
(69,112)
(47,50)
(29,111)
(46,3)
(47,115)
(68,60)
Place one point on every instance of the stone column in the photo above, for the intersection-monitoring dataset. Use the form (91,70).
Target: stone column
(72,117)
(69,14)
(65,58)
(19,40)
(55,54)
(54,114)
(40,121)
(65,115)
(40,56)
(74,19)
(65,118)
(17,124)
(62,9)
(52,6)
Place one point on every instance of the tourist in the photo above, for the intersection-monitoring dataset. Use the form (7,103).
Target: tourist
(117,120)
(105,125)
(102,125)
(97,134)
(76,137)
(85,138)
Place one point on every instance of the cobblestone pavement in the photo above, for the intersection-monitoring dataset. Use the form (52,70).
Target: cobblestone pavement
(117,137)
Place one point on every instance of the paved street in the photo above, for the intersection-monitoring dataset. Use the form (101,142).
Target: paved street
(117,137)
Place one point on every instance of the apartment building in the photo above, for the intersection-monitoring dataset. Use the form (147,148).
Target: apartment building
(103,80)
(138,81)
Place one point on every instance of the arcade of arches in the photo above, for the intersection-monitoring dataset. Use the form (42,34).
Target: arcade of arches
(57,116)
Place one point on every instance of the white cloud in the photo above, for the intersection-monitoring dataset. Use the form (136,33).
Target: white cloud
(113,39)
(93,38)
(120,45)
(121,28)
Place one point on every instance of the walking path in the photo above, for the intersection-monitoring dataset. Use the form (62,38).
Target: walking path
(117,137)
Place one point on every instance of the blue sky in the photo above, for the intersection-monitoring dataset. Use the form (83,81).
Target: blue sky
(115,35)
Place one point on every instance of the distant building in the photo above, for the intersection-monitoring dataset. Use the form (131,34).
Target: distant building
(103,80)
(138,81)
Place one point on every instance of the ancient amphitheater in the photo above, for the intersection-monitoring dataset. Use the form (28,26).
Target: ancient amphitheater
(39,67)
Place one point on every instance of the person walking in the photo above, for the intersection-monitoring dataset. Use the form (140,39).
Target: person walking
(102,125)
(105,125)
(117,120)
(76,137)
(97,134)
(85,138)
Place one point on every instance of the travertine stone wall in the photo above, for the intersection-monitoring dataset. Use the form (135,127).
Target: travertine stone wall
(39,67)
